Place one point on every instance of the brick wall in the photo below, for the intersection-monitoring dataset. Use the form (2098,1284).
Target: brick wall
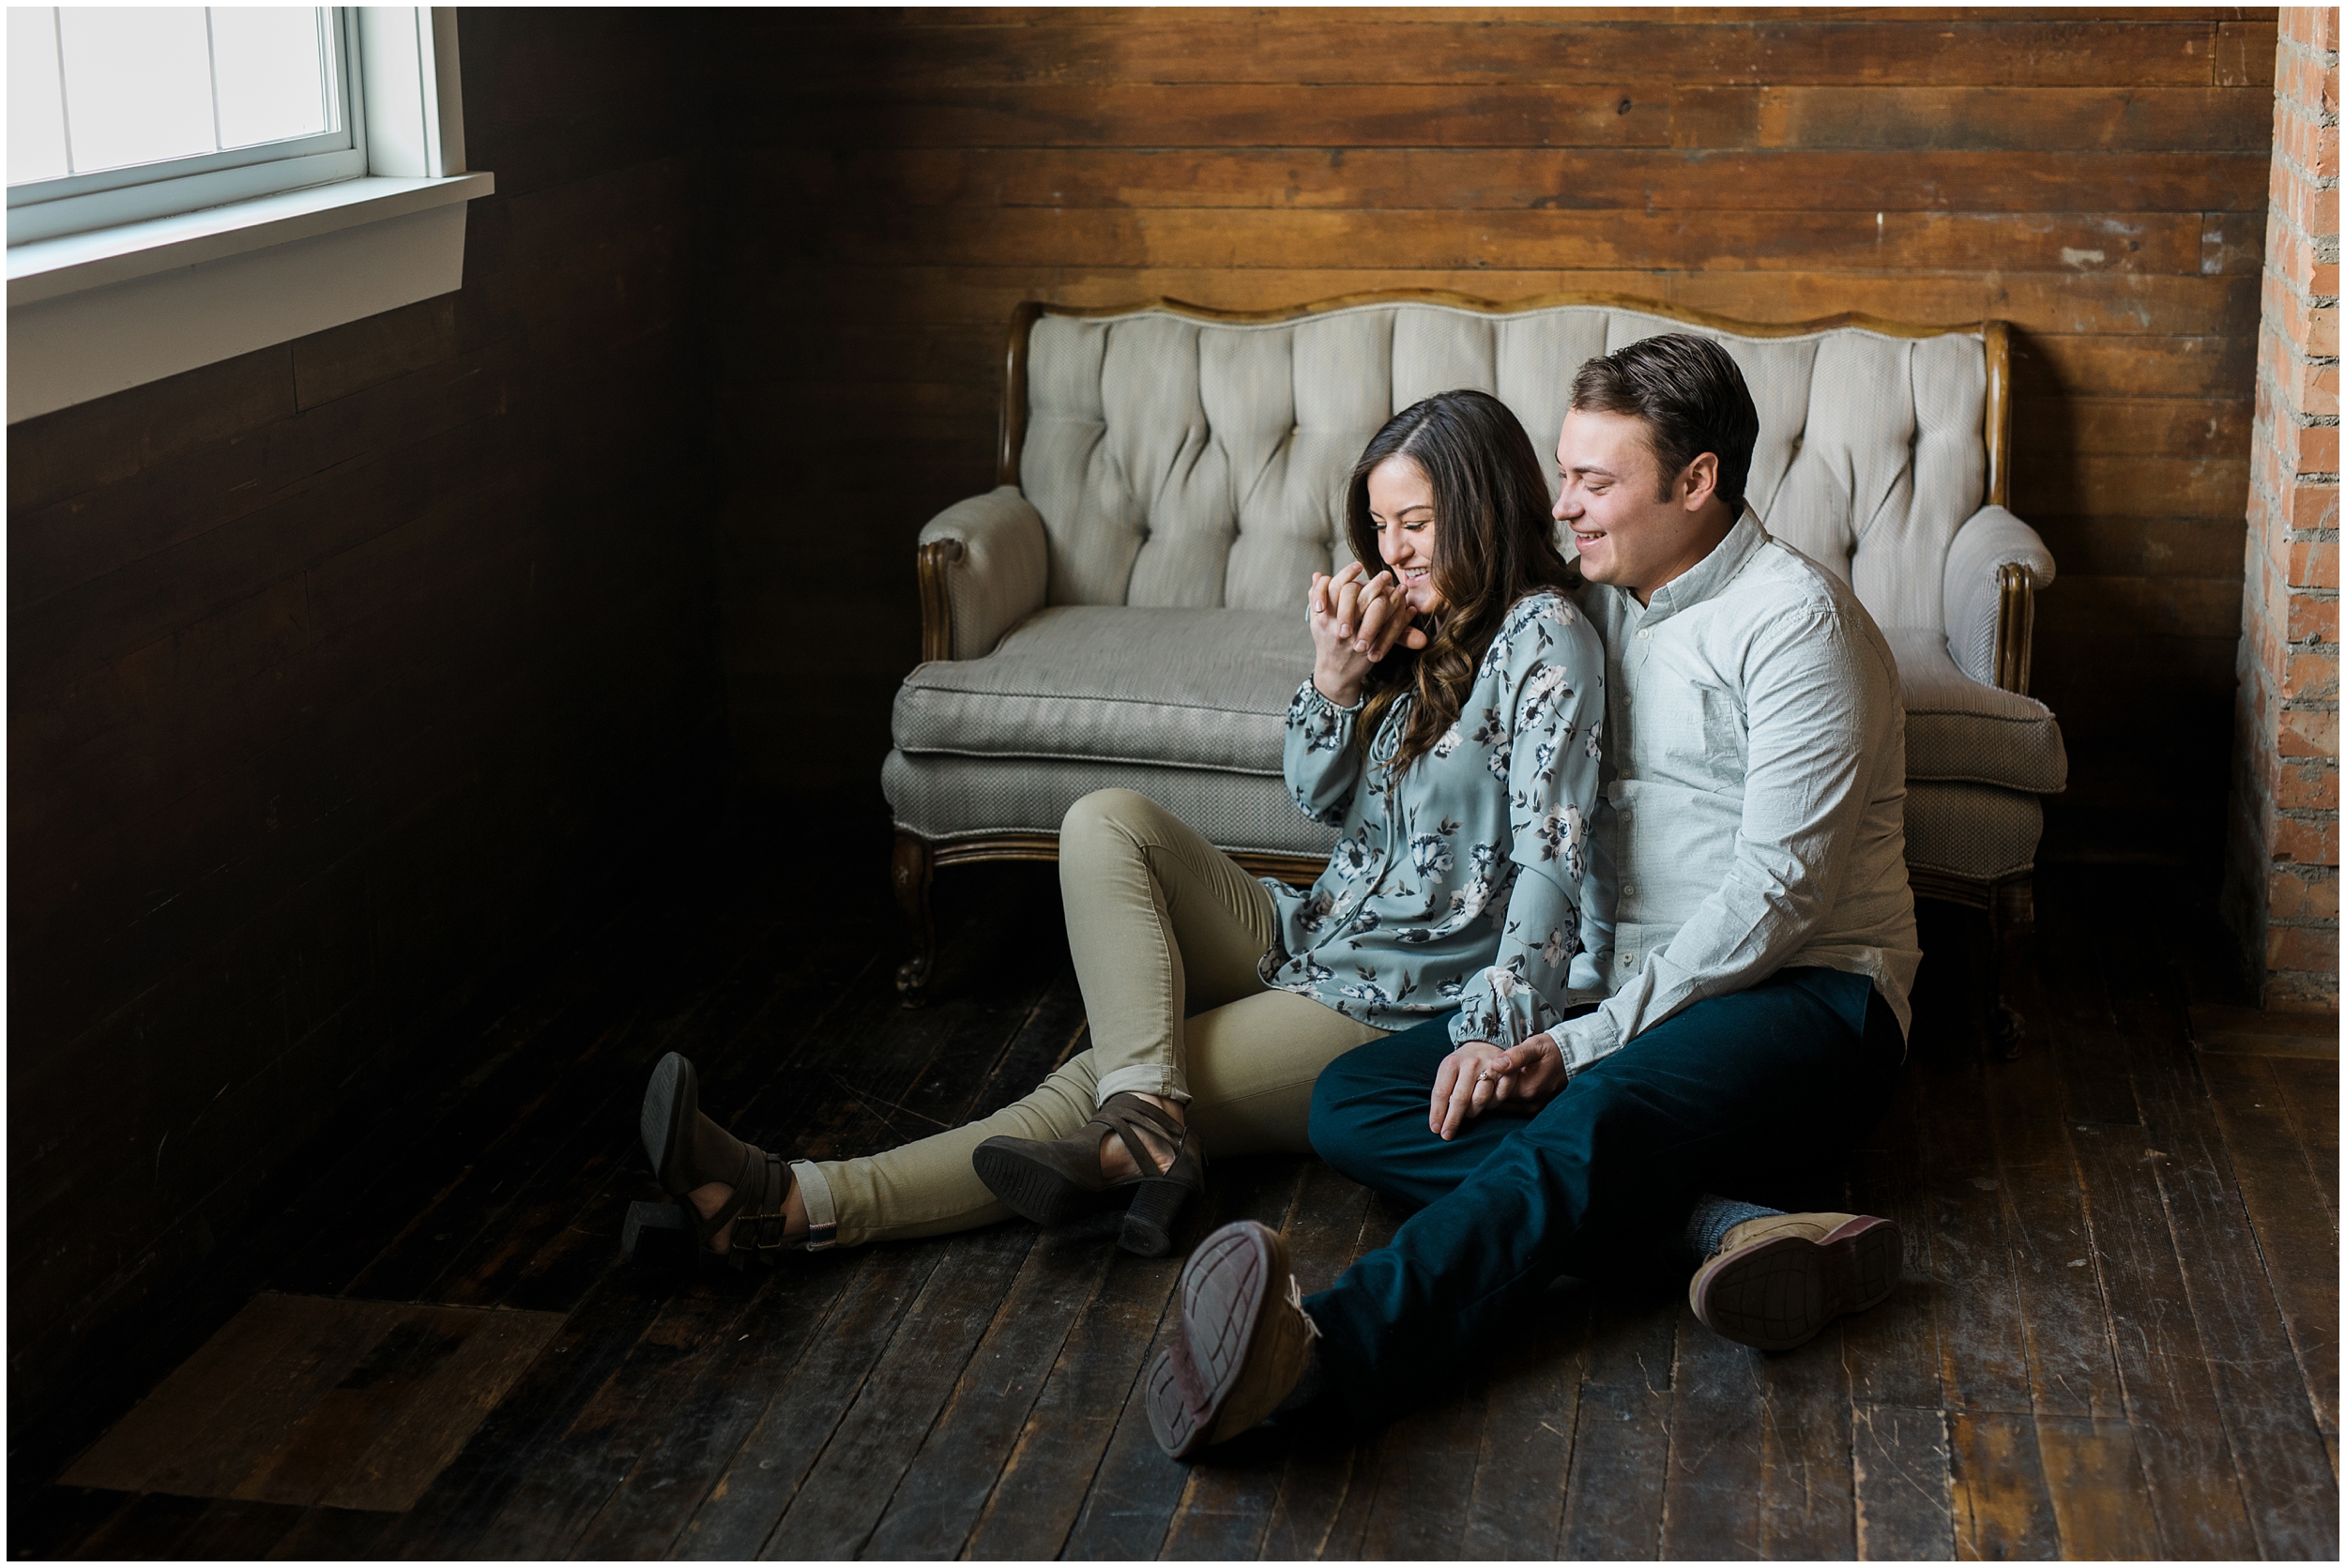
(2282,889)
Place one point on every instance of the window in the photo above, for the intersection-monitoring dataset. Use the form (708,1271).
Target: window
(187,184)
(117,113)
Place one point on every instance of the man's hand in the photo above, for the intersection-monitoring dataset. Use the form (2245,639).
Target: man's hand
(1355,621)
(1532,1070)
(1463,1087)
(1478,1074)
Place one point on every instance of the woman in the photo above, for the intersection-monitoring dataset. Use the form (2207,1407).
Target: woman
(1450,728)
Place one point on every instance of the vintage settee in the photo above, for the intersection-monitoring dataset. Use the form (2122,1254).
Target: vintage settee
(1125,608)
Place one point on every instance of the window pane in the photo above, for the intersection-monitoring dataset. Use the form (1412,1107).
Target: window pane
(138,84)
(267,65)
(36,112)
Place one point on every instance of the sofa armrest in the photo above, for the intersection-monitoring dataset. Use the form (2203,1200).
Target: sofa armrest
(984,567)
(1994,568)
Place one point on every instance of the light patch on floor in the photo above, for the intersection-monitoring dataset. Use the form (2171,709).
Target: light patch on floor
(316,1399)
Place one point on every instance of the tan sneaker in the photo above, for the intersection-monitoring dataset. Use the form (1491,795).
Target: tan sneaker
(1777,1281)
(1244,1341)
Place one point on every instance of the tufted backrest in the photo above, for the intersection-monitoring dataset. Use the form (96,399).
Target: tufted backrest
(1183,460)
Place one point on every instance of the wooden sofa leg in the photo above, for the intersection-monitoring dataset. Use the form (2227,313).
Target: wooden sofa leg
(2012,930)
(914,868)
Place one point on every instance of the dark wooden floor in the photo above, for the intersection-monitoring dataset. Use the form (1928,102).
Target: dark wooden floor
(2117,1337)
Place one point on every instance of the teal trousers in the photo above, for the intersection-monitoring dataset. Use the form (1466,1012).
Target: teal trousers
(1732,1095)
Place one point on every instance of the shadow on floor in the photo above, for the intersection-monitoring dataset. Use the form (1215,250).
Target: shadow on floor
(2117,1337)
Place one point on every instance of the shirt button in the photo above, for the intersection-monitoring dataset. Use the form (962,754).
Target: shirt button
(1629,889)
(1643,632)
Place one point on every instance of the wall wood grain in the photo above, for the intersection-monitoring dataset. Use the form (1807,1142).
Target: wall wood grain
(2095,176)
(333,666)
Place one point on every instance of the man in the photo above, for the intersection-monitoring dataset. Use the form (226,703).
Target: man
(1751,937)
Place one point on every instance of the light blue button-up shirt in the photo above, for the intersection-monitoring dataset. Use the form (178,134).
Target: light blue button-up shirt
(1753,805)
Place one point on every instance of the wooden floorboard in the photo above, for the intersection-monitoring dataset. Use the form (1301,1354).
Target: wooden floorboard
(235,1530)
(1531,1406)
(1718,1423)
(2002,1504)
(2064,1333)
(1133,1497)
(2115,1335)
(1808,1482)
(2286,1483)
(464,1504)
(1974,1294)
(2170,1393)
(2310,1089)
(866,1457)
(708,1421)
(1891,1356)
(1620,1462)
(572,1475)
(47,1522)
(1041,1488)
(152,1527)
(2296,1228)
(1329,1479)
(1899,1460)
(1426,1483)
(2101,1500)
(942,1493)
(734,1517)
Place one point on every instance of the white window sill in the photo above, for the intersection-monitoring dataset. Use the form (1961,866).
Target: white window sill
(93,313)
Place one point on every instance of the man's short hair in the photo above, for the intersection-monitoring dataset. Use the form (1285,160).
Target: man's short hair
(1692,399)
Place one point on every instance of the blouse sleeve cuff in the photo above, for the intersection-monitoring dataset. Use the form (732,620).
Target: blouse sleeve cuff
(1310,695)
(1501,1007)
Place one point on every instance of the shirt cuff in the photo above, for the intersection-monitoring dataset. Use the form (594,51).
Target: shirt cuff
(1586,1040)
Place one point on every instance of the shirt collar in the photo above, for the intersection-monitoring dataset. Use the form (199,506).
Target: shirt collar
(1709,576)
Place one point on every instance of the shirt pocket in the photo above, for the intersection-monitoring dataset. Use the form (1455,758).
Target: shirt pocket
(1726,745)
(1702,740)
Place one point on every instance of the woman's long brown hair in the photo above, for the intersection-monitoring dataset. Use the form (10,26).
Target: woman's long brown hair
(1494,541)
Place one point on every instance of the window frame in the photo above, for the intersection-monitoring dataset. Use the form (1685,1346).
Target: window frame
(97,311)
(105,198)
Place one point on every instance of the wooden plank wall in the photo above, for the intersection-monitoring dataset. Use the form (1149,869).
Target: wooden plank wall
(325,663)
(2097,177)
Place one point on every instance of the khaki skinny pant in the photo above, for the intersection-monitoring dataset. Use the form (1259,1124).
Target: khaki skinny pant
(1166,932)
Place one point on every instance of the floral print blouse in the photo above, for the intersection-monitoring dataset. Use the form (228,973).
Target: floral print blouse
(1456,884)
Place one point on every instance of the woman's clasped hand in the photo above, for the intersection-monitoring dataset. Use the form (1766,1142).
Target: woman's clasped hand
(1478,1074)
(1355,620)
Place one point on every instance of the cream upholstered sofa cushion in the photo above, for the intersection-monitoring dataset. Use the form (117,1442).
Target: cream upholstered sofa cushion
(1958,729)
(1186,705)
(1168,688)
(1978,833)
(1196,469)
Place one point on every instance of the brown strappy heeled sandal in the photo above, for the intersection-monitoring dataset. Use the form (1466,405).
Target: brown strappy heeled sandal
(1057,1181)
(686,1150)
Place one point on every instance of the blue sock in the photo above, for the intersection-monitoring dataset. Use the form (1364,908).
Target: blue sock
(1308,1387)
(1712,1217)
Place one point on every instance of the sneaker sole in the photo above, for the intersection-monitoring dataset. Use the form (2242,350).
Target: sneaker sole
(1224,1284)
(1782,1292)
